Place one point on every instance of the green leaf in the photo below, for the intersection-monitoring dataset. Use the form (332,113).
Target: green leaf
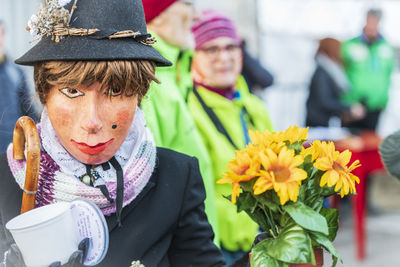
(246,202)
(332,219)
(334,261)
(314,201)
(390,154)
(328,191)
(284,219)
(310,192)
(306,217)
(297,146)
(248,186)
(293,245)
(267,199)
(259,258)
(228,197)
(325,242)
(259,217)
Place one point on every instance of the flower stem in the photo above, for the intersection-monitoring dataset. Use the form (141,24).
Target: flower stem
(271,223)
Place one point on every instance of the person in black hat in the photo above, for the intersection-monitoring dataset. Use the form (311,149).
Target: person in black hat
(92,66)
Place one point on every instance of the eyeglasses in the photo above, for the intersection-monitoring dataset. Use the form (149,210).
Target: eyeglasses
(214,51)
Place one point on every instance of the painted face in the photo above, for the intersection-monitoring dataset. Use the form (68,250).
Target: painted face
(90,125)
(218,62)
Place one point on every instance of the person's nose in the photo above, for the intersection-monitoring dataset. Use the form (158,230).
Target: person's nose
(224,54)
(91,119)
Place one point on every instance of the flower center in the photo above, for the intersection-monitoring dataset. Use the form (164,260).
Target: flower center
(281,174)
(240,170)
(338,167)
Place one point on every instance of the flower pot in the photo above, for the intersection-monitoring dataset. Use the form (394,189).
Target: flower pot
(319,259)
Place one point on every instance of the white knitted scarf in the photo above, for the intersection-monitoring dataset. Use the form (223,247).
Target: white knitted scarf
(60,172)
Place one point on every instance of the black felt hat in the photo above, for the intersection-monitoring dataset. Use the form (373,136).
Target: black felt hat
(110,30)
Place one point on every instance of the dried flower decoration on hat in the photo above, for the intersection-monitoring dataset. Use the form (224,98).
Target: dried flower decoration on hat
(53,20)
(137,264)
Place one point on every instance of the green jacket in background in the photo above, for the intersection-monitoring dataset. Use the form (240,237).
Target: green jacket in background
(237,230)
(169,119)
(368,67)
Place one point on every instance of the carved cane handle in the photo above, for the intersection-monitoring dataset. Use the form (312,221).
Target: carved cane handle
(25,132)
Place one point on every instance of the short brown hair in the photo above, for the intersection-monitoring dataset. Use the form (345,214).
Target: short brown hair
(331,48)
(131,77)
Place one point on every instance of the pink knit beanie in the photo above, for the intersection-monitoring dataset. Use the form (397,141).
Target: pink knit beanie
(211,25)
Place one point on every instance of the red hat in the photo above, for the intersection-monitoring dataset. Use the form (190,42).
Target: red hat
(153,8)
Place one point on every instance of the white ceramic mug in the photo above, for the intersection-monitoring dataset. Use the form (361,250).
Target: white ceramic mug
(45,235)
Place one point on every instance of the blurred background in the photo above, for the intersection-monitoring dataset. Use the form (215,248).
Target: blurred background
(283,35)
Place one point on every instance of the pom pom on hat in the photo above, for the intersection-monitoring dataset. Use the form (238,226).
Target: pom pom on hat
(211,25)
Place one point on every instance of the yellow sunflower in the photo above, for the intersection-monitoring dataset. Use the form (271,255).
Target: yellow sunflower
(337,173)
(280,172)
(266,139)
(242,168)
(260,138)
(313,150)
(292,135)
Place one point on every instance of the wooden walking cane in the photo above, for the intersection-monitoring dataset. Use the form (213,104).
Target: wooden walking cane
(25,132)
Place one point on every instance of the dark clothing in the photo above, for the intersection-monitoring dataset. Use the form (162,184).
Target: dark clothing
(323,100)
(369,122)
(165,225)
(15,101)
(254,73)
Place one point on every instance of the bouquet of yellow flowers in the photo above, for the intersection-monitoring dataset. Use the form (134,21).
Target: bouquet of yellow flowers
(281,183)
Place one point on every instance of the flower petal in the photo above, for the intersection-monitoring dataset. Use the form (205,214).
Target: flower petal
(261,185)
(323,164)
(344,158)
(333,178)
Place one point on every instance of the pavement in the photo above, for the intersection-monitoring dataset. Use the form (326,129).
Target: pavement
(383,228)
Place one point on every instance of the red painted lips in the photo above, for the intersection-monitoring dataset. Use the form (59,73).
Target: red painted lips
(92,150)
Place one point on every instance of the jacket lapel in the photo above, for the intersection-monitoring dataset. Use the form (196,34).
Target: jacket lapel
(112,219)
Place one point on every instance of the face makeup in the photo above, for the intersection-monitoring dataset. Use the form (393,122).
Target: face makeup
(85,120)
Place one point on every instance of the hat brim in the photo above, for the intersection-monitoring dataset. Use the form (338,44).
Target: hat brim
(73,48)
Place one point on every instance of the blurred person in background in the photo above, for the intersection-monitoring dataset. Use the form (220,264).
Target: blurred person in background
(170,21)
(328,83)
(368,61)
(224,110)
(15,100)
(255,74)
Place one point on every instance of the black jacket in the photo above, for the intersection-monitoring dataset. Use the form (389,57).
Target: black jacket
(254,73)
(323,100)
(165,225)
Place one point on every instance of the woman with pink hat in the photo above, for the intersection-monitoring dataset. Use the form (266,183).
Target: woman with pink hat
(224,111)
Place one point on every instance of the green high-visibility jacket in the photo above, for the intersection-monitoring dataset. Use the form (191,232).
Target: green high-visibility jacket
(169,119)
(368,68)
(237,230)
